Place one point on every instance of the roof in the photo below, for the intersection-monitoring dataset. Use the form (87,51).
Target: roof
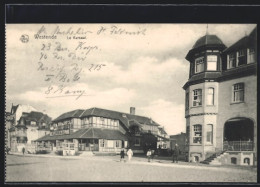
(204,43)
(14,108)
(123,117)
(244,42)
(207,40)
(17,126)
(88,133)
(68,115)
(36,116)
(161,129)
(24,108)
(201,77)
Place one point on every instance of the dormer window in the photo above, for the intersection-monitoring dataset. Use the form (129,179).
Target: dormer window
(212,62)
(199,65)
(231,60)
(251,55)
(241,57)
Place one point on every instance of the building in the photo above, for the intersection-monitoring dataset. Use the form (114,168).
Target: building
(30,127)
(221,101)
(181,140)
(163,140)
(12,118)
(101,130)
(17,110)
(9,120)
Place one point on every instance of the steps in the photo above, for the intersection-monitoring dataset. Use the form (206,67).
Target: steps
(86,153)
(105,153)
(214,159)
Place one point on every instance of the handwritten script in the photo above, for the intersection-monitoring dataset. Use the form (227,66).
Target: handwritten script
(66,55)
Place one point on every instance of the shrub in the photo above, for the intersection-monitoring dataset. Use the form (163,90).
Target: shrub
(41,152)
(59,152)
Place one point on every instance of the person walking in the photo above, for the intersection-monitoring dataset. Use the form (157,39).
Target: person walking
(176,153)
(23,150)
(122,155)
(129,154)
(153,154)
(149,154)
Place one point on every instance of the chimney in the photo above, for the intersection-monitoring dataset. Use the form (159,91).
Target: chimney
(132,110)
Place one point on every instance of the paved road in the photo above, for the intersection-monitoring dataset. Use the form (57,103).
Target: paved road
(108,169)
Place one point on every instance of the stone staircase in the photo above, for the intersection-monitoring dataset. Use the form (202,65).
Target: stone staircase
(215,159)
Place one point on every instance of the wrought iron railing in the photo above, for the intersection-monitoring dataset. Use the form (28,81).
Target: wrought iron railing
(238,145)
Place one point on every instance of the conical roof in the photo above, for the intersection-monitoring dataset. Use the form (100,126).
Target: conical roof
(207,40)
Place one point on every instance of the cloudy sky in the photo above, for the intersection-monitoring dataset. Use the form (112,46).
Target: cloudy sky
(145,71)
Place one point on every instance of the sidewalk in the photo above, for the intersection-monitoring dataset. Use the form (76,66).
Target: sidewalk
(143,160)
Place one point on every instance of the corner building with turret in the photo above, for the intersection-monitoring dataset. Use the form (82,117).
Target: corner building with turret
(221,101)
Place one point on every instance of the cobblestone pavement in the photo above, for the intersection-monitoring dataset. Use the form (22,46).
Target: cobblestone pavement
(47,168)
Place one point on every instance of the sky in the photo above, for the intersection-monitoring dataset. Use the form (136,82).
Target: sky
(145,70)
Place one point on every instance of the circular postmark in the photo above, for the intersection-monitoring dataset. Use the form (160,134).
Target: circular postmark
(24,38)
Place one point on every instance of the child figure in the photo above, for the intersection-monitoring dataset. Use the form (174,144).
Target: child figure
(149,154)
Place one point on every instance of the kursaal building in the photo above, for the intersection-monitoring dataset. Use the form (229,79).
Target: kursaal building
(100,130)
(221,101)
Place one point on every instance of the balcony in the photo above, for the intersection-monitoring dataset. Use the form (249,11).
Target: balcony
(238,146)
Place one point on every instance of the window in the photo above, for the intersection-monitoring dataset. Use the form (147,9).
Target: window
(102,143)
(212,62)
(241,57)
(137,141)
(187,135)
(187,101)
(209,133)
(233,160)
(98,121)
(251,55)
(108,123)
(197,132)
(110,143)
(117,143)
(238,92)
(199,65)
(197,97)
(247,161)
(231,60)
(210,96)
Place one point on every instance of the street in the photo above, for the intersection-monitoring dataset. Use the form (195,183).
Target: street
(109,169)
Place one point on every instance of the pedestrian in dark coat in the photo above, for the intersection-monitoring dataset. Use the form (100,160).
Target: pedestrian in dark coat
(122,155)
(23,150)
(176,153)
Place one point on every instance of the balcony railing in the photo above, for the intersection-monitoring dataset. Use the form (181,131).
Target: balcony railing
(238,145)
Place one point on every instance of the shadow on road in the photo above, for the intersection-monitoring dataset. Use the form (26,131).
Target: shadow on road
(20,164)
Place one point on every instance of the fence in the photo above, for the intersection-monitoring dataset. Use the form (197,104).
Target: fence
(238,145)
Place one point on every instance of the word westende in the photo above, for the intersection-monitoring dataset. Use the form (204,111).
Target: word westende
(37,36)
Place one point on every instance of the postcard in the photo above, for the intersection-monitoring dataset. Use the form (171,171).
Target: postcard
(109,102)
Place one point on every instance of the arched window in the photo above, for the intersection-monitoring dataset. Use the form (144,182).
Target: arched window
(209,129)
(247,161)
(210,96)
(196,159)
(197,134)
